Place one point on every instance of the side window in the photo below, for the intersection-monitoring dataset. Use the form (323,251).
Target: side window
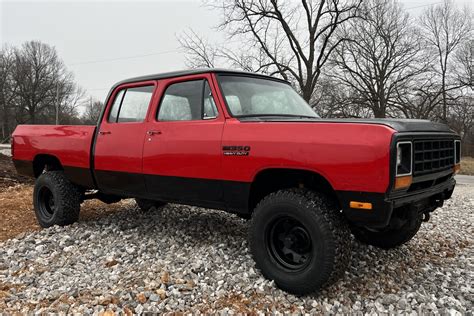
(209,110)
(131,105)
(187,101)
(234,104)
(113,114)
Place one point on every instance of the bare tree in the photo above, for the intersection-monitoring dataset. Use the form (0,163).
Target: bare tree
(331,99)
(464,59)
(92,112)
(199,52)
(289,39)
(7,91)
(461,119)
(381,57)
(445,28)
(42,82)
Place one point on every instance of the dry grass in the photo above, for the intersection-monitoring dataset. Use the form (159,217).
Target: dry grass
(467,166)
(18,216)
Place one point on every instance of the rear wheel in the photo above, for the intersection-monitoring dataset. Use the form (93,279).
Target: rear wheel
(145,205)
(300,240)
(56,200)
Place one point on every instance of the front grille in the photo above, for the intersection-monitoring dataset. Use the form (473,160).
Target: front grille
(432,156)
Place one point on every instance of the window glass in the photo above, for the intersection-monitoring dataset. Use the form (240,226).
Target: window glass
(186,101)
(250,96)
(234,103)
(209,106)
(135,104)
(115,107)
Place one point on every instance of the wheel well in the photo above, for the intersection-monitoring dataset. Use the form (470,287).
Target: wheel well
(48,162)
(272,180)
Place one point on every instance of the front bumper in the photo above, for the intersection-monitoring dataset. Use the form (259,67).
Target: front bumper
(384,204)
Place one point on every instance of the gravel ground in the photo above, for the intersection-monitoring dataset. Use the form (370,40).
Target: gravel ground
(183,258)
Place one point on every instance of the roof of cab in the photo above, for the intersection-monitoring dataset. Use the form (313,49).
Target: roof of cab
(181,73)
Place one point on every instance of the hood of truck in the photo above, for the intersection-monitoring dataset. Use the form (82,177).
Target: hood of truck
(399,125)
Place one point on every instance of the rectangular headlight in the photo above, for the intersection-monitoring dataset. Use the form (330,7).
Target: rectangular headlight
(404,159)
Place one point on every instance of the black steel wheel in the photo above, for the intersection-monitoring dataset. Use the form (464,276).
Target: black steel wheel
(56,200)
(46,205)
(299,239)
(289,243)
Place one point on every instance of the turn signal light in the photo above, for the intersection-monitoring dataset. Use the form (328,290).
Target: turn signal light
(403,182)
(457,168)
(360,205)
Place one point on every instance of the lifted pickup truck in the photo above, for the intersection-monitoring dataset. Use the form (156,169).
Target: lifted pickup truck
(248,144)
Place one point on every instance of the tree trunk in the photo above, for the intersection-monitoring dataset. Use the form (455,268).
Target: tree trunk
(445,104)
(379,112)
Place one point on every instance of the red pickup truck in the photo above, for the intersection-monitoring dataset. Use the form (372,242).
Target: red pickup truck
(248,144)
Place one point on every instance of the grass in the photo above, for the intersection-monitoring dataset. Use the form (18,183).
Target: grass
(467,166)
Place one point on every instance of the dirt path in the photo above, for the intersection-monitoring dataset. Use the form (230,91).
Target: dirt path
(16,207)
(8,175)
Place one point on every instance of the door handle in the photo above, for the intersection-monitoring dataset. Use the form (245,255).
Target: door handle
(105,132)
(151,133)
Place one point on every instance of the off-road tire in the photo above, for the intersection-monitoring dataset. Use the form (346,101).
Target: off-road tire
(145,205)
(329,249)
(390,237)
(57,201)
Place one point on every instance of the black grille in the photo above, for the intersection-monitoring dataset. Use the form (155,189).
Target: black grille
(432,156)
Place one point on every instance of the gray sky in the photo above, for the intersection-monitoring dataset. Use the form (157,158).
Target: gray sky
(86,33)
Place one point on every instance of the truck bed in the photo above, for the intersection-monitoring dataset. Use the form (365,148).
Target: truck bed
(71,144)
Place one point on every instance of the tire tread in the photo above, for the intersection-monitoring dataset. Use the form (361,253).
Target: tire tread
(335,228)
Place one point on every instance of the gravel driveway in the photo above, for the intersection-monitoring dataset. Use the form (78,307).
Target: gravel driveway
(189,259)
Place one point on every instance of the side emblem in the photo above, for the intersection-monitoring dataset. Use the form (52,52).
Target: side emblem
(236,150)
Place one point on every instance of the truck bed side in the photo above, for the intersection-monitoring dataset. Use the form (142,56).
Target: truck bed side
(32,145)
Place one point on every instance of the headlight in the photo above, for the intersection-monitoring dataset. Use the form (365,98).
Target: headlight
(404,161)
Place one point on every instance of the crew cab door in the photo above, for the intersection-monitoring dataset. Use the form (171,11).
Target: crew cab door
(119,143)
(182,152)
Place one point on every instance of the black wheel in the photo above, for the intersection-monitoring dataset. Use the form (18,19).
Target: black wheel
(300,240)
(146,205)
(56,200)
(389,237)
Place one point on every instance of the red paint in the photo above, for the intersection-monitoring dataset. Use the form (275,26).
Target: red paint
(119,146)
(70,144)
(184,148)
(350,156)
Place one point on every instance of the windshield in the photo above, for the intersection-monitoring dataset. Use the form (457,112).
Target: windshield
(253,97)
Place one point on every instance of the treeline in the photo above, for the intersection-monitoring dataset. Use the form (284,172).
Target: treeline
(347,58)
(354,58)
(37,88)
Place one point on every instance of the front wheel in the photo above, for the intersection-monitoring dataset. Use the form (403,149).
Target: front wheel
(57,201)
(390,237)
(300,240)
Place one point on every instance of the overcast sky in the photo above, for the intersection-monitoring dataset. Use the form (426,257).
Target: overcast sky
(86,33)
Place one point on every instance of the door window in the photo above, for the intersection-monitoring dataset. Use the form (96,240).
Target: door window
(115,107)
(131,105)
(187,101)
